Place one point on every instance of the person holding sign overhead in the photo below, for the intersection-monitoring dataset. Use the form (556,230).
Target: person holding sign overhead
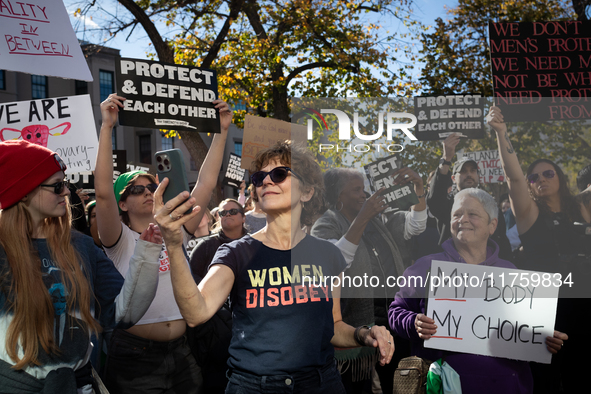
(154,355)
(547,215)
(56,287)
(465,174)
(474,220)
(370,248)
(284,320)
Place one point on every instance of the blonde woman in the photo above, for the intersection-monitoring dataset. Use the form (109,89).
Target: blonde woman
(56,286)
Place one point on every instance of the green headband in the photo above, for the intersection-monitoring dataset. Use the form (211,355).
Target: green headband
(122,181)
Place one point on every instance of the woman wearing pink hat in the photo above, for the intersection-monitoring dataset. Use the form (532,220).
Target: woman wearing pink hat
(154,355)
(56,286)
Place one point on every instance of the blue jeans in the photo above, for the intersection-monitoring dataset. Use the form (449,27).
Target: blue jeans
(324,380)
(138,365)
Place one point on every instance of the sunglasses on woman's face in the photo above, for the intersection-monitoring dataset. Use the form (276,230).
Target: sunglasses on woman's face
(548,174)
(140,189)
(277,174)
(230,212)
(58,187)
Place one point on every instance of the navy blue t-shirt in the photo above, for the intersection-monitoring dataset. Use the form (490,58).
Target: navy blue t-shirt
(281,325)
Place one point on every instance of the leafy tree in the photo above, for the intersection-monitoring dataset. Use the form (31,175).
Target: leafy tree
(457,60)
(266,51)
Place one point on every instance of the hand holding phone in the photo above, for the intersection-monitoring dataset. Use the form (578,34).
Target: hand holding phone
(170,164)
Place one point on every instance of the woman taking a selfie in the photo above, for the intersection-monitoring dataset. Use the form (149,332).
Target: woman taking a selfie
(284,327)
(56,287)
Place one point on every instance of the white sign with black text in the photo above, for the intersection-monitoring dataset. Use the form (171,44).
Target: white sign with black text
(63,124)
(492,311)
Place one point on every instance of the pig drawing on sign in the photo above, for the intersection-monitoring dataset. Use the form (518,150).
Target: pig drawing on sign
(36,134)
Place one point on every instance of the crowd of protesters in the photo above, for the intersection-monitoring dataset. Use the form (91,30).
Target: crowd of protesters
(236,315)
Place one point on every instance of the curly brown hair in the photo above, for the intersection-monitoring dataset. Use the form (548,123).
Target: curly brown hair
(304,165)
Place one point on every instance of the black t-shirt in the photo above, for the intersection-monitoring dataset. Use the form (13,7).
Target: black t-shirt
(280,324)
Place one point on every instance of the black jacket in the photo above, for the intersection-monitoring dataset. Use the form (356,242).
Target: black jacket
(203,253)
(440,204)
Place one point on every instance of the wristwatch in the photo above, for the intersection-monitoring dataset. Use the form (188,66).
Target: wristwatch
(443,162)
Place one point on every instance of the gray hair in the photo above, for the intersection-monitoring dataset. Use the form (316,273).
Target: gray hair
(335,180)
(485,199)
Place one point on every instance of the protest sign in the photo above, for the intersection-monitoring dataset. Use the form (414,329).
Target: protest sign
(490,169)
(438,117)
(380,173)
(167,96)
(234,173)
(492,311)
(62,124)
(39,39)
(85,180)
(541,69)
(261,133)
(149,168)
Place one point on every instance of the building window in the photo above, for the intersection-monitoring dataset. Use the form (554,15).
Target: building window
(107,85)
(238,148)
(81,87)
(145,142)
(114,138)
(2,80)
(38,87)
(167,143)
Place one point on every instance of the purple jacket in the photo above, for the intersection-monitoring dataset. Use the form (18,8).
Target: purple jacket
(478,374)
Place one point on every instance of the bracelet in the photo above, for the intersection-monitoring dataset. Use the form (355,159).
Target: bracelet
(422,195)
(356,335)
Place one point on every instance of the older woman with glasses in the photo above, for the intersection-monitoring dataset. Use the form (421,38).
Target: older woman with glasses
(152,356)
(545,212)
(284,325)
(474,220)
(56,287)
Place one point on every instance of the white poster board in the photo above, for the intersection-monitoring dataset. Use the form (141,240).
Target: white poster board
(492,311)
(37,38)
(490,169)
(63,124)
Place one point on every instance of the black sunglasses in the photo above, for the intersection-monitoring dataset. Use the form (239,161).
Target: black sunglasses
(58,187)
(277,174)
(548,174)
(230,212)
(140,189)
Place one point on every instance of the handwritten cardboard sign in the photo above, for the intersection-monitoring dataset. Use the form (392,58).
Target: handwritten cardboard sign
(380,174)
(438,117)
(492,311)
(490,169)
(37,38)
(62,124)
(541,69)
(261,133)
(167,96)
(234,173)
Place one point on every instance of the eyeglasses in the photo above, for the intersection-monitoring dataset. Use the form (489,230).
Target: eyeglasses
(230,212)
(548,174)
(58,187)
(140,189)
(277,174)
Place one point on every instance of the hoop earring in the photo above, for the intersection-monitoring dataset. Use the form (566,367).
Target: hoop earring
(337,208)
